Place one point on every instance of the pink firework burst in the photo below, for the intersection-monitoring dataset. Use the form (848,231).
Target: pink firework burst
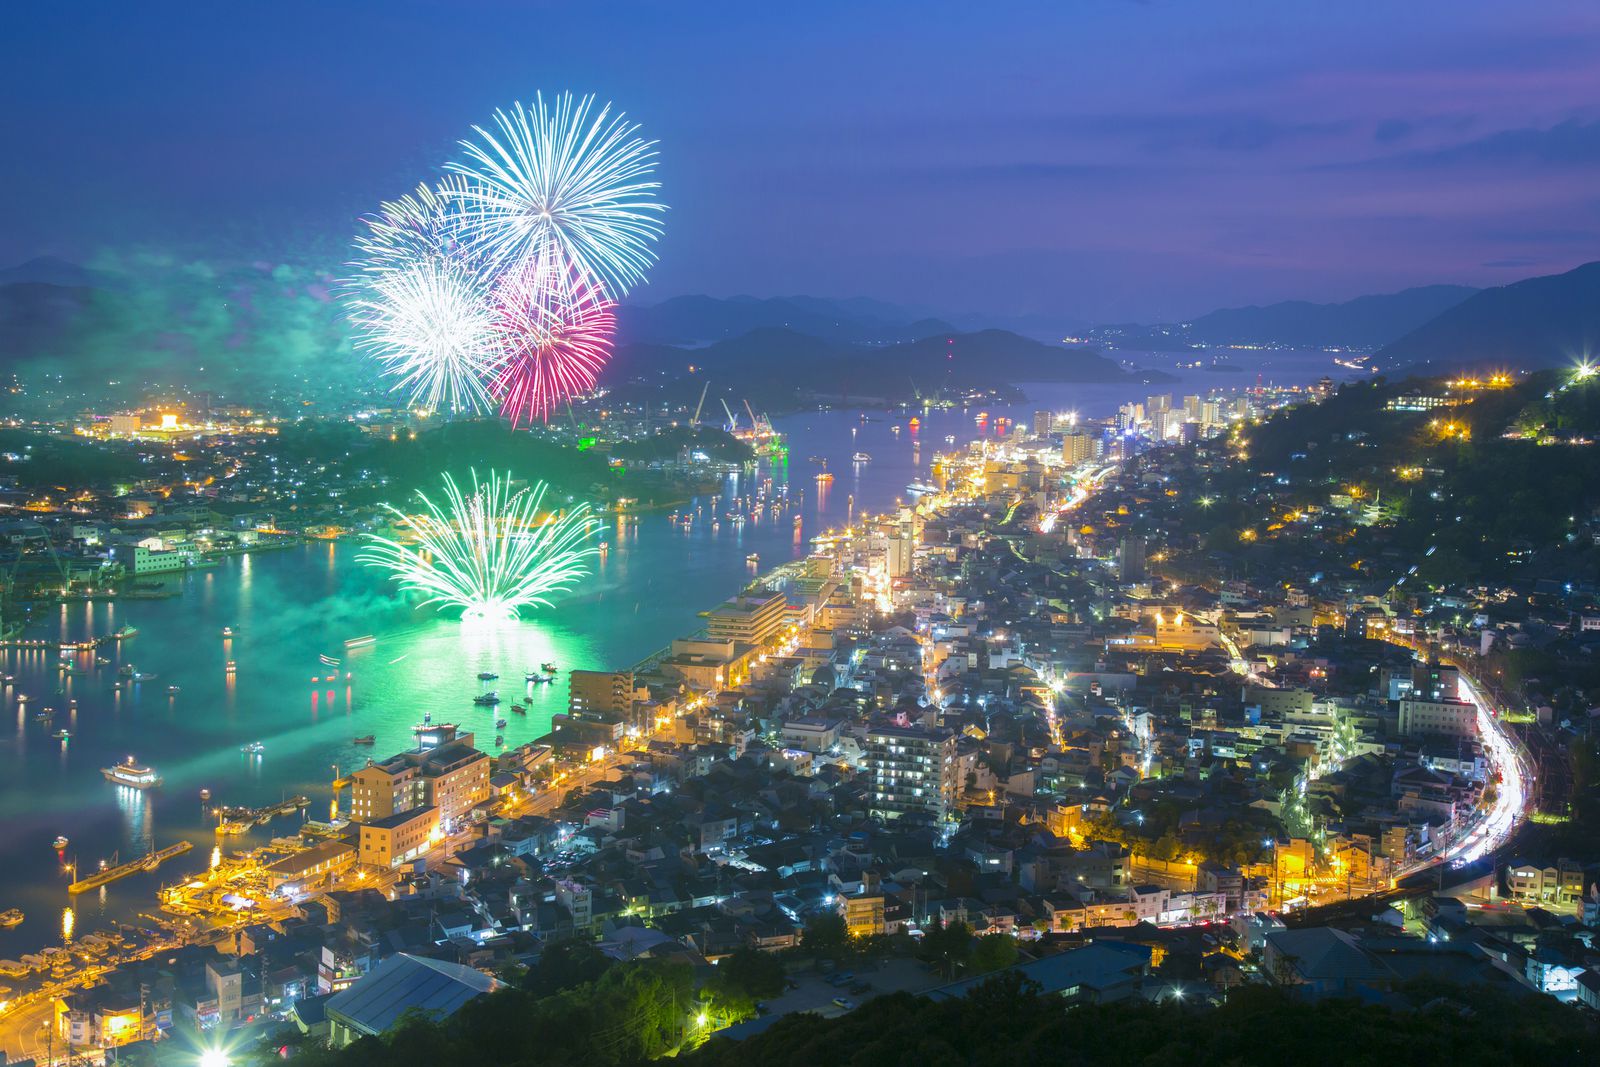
(552,329)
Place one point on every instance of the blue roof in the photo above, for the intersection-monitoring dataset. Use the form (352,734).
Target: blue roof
(403,982)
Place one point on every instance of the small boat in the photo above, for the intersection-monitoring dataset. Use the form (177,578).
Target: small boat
(173,689)
(254,748)
(131,774)
(10,917)
(825,477)
(62,735)
(861,457)
(487,676)
(499,742)
(754,557)
(486,700)
(519,709)
(532,676)
(500,723)
(366,739)
(227,631)
(949,438)
(205,794)
(548,668)
(125,671)
(60,842)
(230,667)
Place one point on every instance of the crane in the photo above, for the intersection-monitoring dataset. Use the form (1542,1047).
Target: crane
(696,420)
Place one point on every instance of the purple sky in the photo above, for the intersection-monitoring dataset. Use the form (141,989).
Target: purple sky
(1096,158)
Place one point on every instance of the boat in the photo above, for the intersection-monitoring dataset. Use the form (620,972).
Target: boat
(499,742)
(825,477)
(125,671)
(519,709)
(486,700)
(231,667)
(227,631)
(172,689)
(500,723)
(949,438)
(62,735)
(10,917)
(254,748)
(532,676)
(61,842)
(548,668)
(132,775)
(921,488)
(754,557)
(487,676)
(861,457)
(364,641)
(205,794)
(366,739)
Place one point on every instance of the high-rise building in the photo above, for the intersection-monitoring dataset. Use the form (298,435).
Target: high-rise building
(1076,447)
(1154,404)
(913,770)
(1130,560)
(749,618)
(1043,423)
(591,693)
(1191,407)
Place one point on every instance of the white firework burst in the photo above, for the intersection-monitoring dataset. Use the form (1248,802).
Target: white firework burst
(429,325)
(490,552)
(563,178)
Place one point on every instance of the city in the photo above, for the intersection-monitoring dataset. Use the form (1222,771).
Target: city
(475,658)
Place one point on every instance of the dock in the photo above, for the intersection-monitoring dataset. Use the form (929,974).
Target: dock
(238,820)
(148,862)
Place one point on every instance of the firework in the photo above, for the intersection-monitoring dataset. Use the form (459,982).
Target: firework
(425,225)
(489,552)
(563,178)
(429,326)
(552,334)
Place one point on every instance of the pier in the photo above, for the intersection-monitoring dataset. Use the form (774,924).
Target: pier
(238,820)
(148,862)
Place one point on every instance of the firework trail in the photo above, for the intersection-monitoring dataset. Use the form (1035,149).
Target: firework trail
(489,552)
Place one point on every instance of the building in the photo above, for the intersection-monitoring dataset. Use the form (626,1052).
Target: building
(400,984)
(749,618)
(156,561)
(1043,423)
(1444,718)
(1097,973)
(296,872)
(913,770)
(607,693)
(453,777)
(1534,883)
(863,915)
(1130,560)
(1076,447)
(391,840)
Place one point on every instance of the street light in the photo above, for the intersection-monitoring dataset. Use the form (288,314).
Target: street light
(215,1057)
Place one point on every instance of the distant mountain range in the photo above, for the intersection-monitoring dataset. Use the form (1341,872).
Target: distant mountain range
(780,368)
(1549,321)
(1365,322)
(697,320)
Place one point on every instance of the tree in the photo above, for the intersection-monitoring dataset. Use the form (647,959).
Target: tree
(566,965)
(994,952)
(826,935)
(947,948)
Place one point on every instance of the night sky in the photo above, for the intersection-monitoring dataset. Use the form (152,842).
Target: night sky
(1110,160)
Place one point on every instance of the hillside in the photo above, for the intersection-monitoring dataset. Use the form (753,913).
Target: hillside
(1365,322)
(1548,321)
(782,368)
(695,320)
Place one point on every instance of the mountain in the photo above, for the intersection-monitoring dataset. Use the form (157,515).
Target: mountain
(780,368)
(48,270)
(1365,322)
(697,320)
(1549,321)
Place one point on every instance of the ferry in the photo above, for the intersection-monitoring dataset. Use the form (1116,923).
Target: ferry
(132,775)
(254,748)
(486,700)
(487,676)
(10,917)
(366,739)
(61,842)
